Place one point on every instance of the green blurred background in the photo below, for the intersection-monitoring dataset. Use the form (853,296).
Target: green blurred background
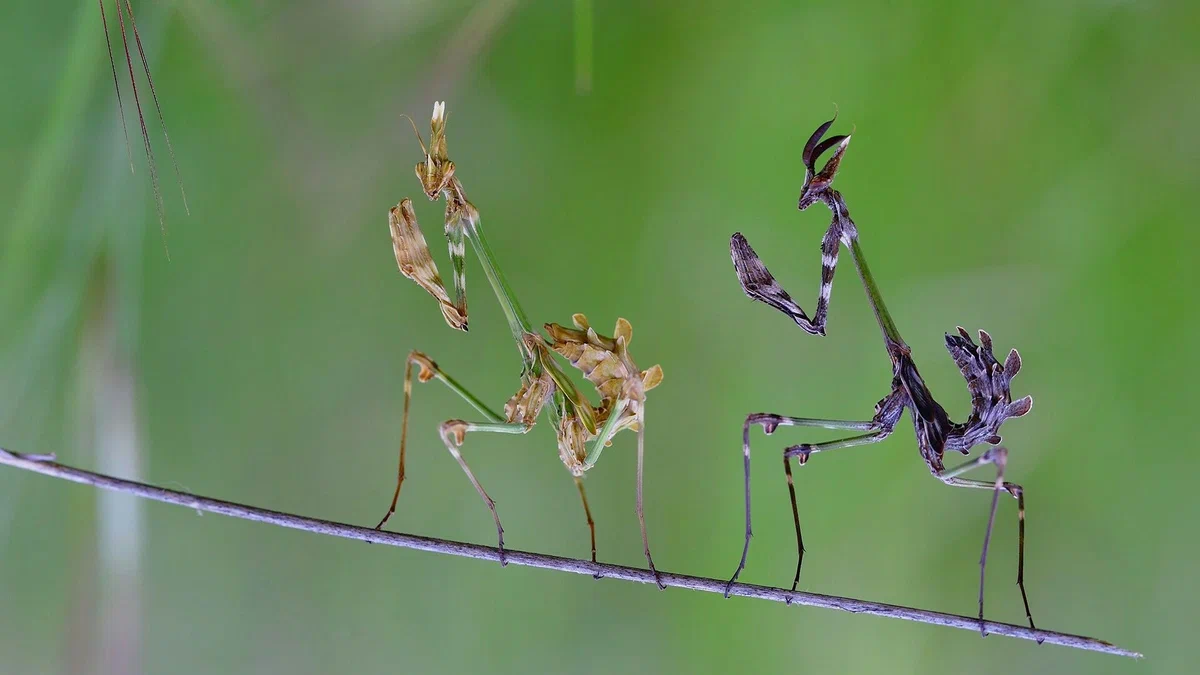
(1028,168)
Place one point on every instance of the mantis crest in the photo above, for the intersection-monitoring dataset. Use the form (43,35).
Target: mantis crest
(583,429)
(988,381)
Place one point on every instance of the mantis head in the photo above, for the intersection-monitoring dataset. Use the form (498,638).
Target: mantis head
(436,172)
(817,182)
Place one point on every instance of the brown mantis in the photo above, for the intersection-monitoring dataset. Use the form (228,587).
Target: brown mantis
(583,429)
(124,13)
(987,380)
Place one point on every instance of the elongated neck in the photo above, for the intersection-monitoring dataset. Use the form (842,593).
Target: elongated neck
(518,322)
(891,335)
(535,363)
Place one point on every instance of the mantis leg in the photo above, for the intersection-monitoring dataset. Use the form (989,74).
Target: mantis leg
(758,283)
(587,512)
(455,241)
(770,422)
(454,433)
(802,452)
(997,456)
(641,513)
(605,435)
(429,370)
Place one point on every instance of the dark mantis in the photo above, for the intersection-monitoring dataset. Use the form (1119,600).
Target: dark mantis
(583,429)
(988,381)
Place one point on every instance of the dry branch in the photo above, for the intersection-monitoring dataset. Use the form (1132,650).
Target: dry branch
(45,465)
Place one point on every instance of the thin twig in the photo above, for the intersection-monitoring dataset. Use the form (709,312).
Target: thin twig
(45,465)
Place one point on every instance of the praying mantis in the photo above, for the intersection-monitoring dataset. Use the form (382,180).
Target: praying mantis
(988,381)
(583,429)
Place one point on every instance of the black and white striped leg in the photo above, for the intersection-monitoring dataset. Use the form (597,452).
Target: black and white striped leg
(758,283)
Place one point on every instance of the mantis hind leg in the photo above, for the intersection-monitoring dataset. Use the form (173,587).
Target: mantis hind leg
(802,452)
(587,511)
(453,432)
(770,422)
(999,457)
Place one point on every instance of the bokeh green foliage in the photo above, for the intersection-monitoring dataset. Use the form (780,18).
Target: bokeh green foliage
(1028,168)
